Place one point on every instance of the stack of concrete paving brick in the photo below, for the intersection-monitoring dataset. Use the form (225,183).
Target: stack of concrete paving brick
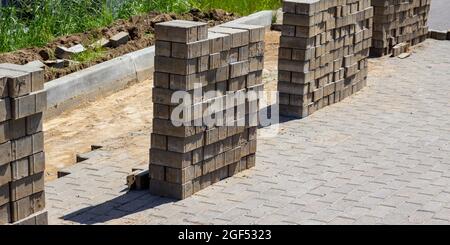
(187,159)
(323,53)
(22,160)
(398,21)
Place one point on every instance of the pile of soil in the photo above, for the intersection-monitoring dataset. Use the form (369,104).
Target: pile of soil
(140,28)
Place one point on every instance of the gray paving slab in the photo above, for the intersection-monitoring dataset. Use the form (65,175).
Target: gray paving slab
(381,156)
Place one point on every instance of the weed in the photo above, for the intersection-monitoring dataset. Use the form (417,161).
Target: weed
(36,22)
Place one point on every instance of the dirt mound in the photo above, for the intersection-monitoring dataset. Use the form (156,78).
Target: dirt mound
(140,28)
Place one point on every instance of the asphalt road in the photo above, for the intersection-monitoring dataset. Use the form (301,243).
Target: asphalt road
(440,15)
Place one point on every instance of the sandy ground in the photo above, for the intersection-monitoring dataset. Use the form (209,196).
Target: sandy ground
(117,120)
(115,116)
(124,119)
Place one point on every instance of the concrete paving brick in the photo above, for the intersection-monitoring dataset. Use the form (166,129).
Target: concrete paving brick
(37,75)
(187,159)
(29,105)
(3,87)
(311,56)
(19,82)
(22,160)
(5,109)
(181,31)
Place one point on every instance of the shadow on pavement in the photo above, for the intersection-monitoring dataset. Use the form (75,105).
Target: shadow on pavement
(130,203)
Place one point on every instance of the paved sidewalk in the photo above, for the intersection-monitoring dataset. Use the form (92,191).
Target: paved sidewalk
(439,15)
(379,157)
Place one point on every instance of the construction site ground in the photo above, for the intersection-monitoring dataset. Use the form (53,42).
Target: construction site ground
(381,156)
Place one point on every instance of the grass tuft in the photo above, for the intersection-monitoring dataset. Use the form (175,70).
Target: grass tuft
(36,22)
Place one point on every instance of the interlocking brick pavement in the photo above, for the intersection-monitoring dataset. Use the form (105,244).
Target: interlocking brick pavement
(381,156)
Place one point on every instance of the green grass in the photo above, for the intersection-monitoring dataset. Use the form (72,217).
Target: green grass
(89,55)
(243,7)
(36,22)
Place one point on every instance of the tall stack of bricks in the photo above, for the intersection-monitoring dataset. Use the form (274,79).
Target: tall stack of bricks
(398,21)
(187,159)
(22,161)
(323,53)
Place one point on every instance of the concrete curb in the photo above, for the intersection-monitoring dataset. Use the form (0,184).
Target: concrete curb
(76,89)
(262,18)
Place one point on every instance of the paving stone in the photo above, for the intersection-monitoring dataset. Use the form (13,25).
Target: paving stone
(398,22)
(310,55)
(37,74)
(5,110)
(5,214)
(3,87)
(19,83)
(181,31)
(62,52)
(119,39)
(29,105)
(22,160)
(27,206)
(187,159)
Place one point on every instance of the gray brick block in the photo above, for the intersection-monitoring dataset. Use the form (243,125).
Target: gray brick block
(5,153)
(161,111)
(157,172)
(388,19)
(34,123)
(17,128)
(3,87)
(5,214)
(176,66)
(171,190)
(119,39)
(27,186)
(296,42)
(190,50)
(4,132)
(37,75)
(302,7)
(256,33)
(4,194)
(239,38)
(28,166)
(256,49)
(20,169)
(298,20)
(165,127)
(170,159)
(163,48)
(187,83)
(238,69)
(219,42)
(185,144)
(27,146)
(5,109)
(19,83)
(27,206)
(318,48)
(29,104)
(39,218)
(180,176)
(186,159)
(181,31)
